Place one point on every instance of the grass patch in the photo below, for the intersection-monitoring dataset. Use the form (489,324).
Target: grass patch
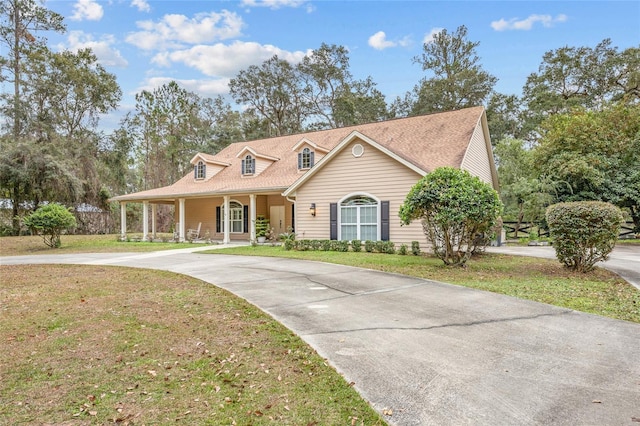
(104,345)
(14,246)
(598,292)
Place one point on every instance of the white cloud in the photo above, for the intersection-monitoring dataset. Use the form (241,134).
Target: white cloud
(221,60)
(142,5)
(87,9)
(527,24)
(275,4)
(103,49)
(173,31)
(379,41)
(205,88)
(428,37)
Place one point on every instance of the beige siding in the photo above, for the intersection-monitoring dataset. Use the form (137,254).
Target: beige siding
(213,169)
(374,173)
(476,159)
(200,210)
(262,164)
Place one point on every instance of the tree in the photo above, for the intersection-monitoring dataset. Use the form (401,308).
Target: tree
(456,209)
(335,99)
(596,154)
(504,117)
(49,221)
(19,22)
(458,79)
(274,91)
(571,77)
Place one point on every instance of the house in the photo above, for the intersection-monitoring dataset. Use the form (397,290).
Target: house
(344,184)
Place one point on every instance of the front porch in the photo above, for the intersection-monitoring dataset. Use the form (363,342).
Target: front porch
(224,218)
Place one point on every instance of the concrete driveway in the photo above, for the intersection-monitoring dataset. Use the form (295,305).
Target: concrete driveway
(431,353)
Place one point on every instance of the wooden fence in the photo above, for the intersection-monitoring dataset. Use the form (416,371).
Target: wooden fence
(525,230)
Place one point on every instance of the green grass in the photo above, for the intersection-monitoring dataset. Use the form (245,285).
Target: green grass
(599,292)
(111,345)
(13,246)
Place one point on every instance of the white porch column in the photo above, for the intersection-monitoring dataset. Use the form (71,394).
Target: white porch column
(154,212)
(227,221)
(123,221)
(145,220)
(252,217)
(181,219)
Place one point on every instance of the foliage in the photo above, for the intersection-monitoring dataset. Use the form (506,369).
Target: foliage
(356,245)
(369,246)
(262,226)
(583,233)
(458,78)
(593,155)
(403,250)
(587,77)
(454,208)
(415,248)
(50,221)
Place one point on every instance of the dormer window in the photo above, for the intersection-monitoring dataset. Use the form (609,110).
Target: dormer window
(305,159)
(248,165)
(200,170)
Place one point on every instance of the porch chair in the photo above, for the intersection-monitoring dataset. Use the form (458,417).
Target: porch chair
(194,234)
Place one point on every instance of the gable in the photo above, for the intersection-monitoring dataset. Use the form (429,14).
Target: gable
(360,166)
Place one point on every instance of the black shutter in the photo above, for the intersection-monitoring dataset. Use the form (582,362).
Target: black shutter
(242,167)
(311,160)
(293,217)
(299,160)
(218,219)
(384,220)
(195,172)
(333,220)
(245,214)
(253,166)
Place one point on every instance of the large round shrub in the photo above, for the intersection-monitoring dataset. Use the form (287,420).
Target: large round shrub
(49,221)
(583,232)
(457,212)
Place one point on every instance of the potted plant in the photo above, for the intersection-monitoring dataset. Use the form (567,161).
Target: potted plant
(262,225)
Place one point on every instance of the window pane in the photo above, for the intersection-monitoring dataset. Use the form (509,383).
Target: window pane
(368,214)
(369,232)
(348,215)
(349,232)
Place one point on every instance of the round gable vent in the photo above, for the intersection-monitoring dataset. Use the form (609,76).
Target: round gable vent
(357,150)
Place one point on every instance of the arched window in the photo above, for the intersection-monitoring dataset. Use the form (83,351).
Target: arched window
(200,170)
(305,159)
(237,220)
(248,165)
(359,218)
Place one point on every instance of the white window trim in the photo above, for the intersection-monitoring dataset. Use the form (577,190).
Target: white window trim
(231,216)
(201,166)
(378,212)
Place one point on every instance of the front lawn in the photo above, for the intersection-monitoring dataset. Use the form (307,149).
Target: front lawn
(95,345)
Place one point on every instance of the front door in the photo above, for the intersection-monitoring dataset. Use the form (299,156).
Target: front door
(276,219)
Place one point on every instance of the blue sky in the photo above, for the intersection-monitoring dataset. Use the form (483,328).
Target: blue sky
(202,44)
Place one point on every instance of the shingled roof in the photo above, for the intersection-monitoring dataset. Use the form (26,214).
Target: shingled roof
(426,141)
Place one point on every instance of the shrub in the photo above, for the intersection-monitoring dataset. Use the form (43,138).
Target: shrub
(342,246)
(369,246)
(583,232)
(288,244)
(415,248)
(403,250)
(454,208)
(49,221)
(327,245)
(317,244)
(356,246)
(388,247)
